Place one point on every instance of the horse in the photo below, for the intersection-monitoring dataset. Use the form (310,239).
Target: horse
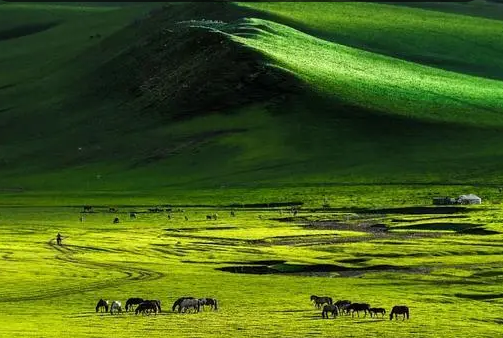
(132,301)
(329,308)
(399,310)
(146,308)
(209,217)
(88,208)
(376,310)
(211,302)
(342,305)
(102,304)
(113,210)
(179,301)
(132,215)
(187,304)
(116,220)
(117,306)
(157,304)
(319,301)
(357,307)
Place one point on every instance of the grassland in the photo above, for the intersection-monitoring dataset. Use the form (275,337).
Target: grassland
(450,279)
(409,102)
(371,108)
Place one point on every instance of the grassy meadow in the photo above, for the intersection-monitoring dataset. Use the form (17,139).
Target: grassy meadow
(360,113)
(427,259)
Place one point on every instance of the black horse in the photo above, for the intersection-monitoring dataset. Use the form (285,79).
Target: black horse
(319,301)
(178,302)
(342,305)
(146,308)
(376,310)
(156,302)
(329,309)
(399,310)
(132,301)
(357,307)
(116,220)
(102,304)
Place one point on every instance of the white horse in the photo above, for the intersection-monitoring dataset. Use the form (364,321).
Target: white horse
(116,306)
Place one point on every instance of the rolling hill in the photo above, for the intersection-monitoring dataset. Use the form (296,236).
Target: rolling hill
(102,97)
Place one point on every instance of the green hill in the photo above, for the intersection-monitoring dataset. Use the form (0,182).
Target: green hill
(201,95)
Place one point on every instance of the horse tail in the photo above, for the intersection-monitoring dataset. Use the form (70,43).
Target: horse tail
(384,311)
(216,304)
(407,313)
(177,302)
(159,306)
(97,307)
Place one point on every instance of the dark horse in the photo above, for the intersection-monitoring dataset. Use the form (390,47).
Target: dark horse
(319,301)
(211,302)
(179,301)
(146,308)
(102,304)
(357,307)
(132,301)
(156,302)
(342,305)
(376,310)
(399,310)
(329,309)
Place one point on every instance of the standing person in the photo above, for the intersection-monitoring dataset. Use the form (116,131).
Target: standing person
(58,239)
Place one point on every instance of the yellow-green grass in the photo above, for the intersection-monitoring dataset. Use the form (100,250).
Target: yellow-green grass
(50,291)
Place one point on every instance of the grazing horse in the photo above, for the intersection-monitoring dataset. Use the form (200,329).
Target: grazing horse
(342,305)
(399,310)
(179,301)
(329,309)
(102,304)
(88,208)
(117,306)
(357,307)
(132,215)
(132,301)
(156,303)
(209,217)
(146,308)
(116,220)
(187,304)
(211,302)
(113,210)
(376,310)
(319,301)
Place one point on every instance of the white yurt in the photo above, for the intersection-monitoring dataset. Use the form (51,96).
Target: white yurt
(469,199)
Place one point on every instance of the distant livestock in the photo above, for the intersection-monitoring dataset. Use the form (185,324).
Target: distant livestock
(399,310)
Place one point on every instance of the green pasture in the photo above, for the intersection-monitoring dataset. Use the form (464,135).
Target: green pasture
(450,280)
(368,109)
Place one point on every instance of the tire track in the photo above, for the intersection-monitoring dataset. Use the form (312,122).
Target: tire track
(65,254)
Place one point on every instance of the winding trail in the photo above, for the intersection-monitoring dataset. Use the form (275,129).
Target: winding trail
(66,254)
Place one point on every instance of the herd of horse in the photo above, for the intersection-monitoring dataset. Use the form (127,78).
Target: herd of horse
(346,307)
(149,306)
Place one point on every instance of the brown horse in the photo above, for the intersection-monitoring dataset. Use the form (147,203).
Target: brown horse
(399,310)
(376,310)
(319,301)
(357,307)
(329,309)
(146,308)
